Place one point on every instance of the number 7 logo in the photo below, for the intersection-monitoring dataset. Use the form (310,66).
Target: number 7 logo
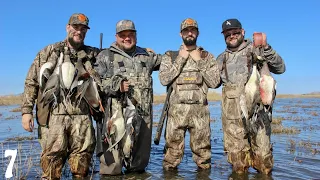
(12,153)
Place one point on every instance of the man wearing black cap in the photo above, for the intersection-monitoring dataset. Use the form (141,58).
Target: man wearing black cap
(62,112)
(240,69)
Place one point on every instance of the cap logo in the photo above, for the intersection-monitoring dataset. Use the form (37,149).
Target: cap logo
(82,18)
(228,23)
(189,21)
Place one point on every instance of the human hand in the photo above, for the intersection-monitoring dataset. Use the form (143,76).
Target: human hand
(195,54)
(150,50)
(259,39)
(124,87)
(27,122)
(184,53)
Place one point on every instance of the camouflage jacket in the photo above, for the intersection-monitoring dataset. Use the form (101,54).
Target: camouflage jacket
(137,69)
(237,64)
(31,87)
(190,79)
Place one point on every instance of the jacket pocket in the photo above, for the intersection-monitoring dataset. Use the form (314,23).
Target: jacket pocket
(231,102)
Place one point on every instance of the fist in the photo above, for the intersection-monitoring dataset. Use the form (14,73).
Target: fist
(27,122)
(150,50)
(124,87)
(259,39)
(195,54)
(184,53)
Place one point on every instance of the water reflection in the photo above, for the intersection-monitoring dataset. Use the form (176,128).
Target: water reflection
(296,156)
(251,176)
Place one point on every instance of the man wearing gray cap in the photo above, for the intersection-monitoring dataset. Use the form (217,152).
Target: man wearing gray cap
(125,70)
(59,79)
(246,106)
(189,73)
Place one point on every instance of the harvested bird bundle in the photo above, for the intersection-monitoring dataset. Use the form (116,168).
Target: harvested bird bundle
(52,87)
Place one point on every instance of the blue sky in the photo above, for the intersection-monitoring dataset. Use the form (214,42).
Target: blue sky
(292,28)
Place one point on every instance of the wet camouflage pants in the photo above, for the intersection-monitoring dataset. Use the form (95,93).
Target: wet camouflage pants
(140,156)
(246,150)
(43,136)
(196,119)
(68,137)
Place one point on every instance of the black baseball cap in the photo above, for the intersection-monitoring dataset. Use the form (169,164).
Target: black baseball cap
(231,24)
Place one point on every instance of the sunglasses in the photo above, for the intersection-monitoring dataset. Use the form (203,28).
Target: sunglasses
(79,28)
(235,33)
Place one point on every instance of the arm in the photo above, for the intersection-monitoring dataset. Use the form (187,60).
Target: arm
(219,61)
(275,62)
(210,71)
(31,88)
(157,58)
(110,82)
(168,70)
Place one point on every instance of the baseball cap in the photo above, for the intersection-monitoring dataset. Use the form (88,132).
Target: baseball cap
(188,23)
(125,25)
(79,18)
(231,24)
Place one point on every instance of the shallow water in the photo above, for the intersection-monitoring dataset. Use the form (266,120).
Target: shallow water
(296,156)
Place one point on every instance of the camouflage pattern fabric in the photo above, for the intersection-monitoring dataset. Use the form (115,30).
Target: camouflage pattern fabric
(43,140)
(245,149)
(31,86)
(72,138)
(137,69)
(188,108)
(124,25)
(78,18)
(237,64)
(74,124)
(188,23)
(194,118)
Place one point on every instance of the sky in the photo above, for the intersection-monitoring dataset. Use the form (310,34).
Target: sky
(292,29)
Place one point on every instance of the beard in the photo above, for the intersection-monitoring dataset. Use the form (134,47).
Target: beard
(237,44)
(126,49)
(189,42)
(74,44)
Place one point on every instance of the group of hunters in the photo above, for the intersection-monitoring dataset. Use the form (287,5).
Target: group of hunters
(71,84)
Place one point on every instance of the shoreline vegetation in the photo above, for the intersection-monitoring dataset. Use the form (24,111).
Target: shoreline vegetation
(212,96)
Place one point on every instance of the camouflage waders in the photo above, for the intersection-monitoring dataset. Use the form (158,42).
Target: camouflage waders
(114,65)
(194,118)
(244,147)
(69,137)
(188,109)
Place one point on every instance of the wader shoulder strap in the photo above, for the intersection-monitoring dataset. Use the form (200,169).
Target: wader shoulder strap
(249,60)
(224,65)
(111,60)
(173,55)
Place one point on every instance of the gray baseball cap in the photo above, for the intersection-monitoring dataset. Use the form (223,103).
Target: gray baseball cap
(125,25)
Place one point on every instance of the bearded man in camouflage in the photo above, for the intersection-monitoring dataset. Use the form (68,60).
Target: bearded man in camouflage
(190,74)
(125,70)
(245,147)
(65,125)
